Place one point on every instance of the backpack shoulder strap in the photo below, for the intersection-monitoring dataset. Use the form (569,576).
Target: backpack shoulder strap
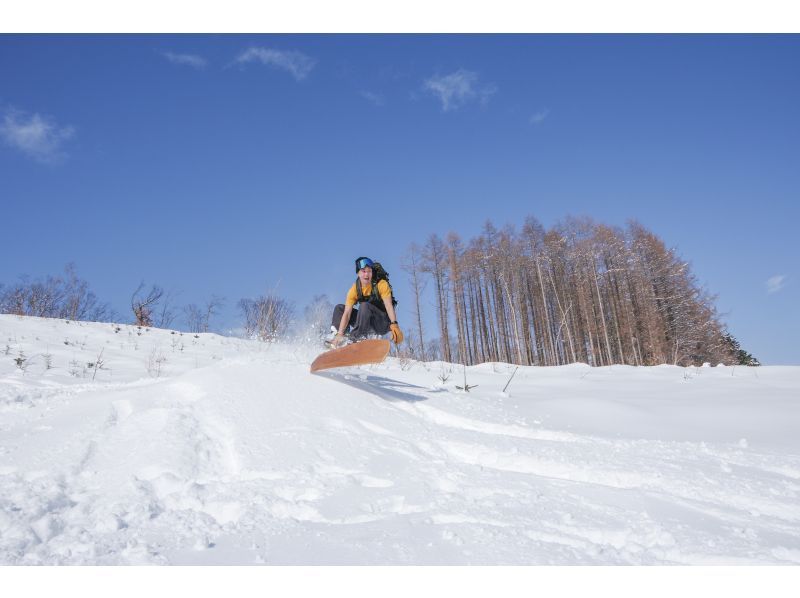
(375,291)
(359,291)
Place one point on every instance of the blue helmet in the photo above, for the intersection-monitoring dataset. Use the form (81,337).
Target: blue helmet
(363,262)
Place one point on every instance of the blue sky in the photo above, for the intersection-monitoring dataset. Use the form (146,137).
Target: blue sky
(240,164)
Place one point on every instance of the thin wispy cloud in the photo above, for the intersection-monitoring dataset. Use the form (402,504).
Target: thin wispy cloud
(192,60)
(296,63)
(37,136)
(459,88)
(538,118)
(374,98)
(776,283)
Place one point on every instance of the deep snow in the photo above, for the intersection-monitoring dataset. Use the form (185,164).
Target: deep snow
(202,449)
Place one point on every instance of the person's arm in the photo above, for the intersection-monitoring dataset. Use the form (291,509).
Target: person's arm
(345,321)
(348,309)
(387,302)
(397,334)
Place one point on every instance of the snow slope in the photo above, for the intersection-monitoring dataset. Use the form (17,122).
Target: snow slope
(201,449)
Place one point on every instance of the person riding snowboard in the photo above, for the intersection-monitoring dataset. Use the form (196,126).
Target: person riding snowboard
(375,313)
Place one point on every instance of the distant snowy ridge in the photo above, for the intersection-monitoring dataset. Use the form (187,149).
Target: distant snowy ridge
(202,449)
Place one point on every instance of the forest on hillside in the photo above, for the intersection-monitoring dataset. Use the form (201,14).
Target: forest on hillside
(580,292)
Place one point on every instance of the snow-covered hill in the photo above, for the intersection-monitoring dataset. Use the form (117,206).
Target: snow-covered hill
(201,449)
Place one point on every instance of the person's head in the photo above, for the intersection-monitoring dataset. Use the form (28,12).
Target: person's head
(364,269)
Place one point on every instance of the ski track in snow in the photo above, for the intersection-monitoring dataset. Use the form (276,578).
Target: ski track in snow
(235,454)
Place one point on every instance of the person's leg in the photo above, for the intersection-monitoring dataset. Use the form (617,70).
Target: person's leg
(336,318)
(370,320)
(380,321)
(338,312)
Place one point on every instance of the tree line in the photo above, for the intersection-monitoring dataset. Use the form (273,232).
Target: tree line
(69,297)
(580,292)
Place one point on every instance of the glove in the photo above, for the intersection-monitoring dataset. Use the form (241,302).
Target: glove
(397,334)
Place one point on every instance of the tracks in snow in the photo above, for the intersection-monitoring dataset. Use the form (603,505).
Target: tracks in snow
(371,470)
(746,495)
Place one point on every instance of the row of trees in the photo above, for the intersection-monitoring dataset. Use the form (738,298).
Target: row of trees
(581,292)
(69,297)
(155,307)
(266,318)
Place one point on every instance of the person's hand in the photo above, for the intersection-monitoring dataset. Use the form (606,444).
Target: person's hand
(397,334)
(338,340)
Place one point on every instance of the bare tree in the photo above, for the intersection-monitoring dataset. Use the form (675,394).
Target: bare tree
(194,317)
(79,302)
(143,304)
(434,263)
(318,315)
(411,264)
(166,314)
(455,261)
(266,318)
(199,319)
(536,268)
(212,308)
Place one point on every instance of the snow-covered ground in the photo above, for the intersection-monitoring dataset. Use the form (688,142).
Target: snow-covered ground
(201,449)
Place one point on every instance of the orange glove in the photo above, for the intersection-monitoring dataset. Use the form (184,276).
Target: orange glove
(397,334)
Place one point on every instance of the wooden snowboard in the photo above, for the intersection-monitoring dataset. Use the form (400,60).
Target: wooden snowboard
(367,351)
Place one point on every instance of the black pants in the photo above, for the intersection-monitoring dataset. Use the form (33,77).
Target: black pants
(367,319)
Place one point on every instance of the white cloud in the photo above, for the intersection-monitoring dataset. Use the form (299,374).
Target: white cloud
(192,60)
(35,135)
(297,63)
(776,283)
(375,98)
(539,117)
(458,88)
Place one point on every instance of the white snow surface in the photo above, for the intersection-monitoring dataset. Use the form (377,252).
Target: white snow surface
(203,449)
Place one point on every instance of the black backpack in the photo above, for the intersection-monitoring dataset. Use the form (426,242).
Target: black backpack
(378,274)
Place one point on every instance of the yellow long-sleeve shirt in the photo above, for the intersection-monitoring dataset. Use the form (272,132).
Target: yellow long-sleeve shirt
(383,290)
